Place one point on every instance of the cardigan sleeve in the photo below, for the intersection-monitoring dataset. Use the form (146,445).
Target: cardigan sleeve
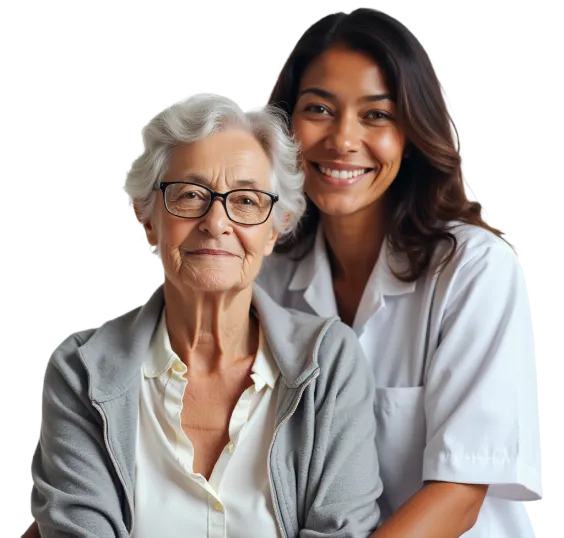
(75,491)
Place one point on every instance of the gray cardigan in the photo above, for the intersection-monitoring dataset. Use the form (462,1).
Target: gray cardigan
(322,462)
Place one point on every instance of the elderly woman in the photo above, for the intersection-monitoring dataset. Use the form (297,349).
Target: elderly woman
(210,411)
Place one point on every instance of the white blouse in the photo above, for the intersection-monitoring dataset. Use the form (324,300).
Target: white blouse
(170,499)
(453,359)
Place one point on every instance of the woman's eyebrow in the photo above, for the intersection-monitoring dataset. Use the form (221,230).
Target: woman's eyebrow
(317,91)
(377,97)
(238,183)
(251,183)
(328,95)
(196,178)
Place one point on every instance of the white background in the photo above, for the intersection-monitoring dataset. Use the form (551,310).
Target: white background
(524,257)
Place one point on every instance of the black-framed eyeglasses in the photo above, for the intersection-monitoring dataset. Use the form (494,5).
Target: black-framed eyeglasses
(192,201)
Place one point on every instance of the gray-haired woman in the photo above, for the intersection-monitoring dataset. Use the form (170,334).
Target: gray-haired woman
(210,411)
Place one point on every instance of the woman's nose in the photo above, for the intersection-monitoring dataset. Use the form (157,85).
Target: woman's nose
(345,135)
(215,221)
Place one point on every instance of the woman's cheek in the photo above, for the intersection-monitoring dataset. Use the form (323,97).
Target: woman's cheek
(307,135)
(388,147)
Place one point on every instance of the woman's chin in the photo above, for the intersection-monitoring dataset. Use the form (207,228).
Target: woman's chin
(213,284)
(336,205)
(216,281)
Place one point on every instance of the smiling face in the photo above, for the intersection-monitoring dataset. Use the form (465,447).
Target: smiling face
(213,253)
(345,121)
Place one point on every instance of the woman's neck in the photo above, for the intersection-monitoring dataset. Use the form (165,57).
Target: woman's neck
(354,242)
(210,331)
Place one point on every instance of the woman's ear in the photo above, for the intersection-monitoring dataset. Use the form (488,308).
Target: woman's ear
(138,212)
(147,224)
(269,247)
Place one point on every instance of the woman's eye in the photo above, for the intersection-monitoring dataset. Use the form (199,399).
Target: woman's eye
(317,109)
(187,196)
(377,115)
(246,201)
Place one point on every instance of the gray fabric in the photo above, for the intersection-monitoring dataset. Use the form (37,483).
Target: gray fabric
(323,464)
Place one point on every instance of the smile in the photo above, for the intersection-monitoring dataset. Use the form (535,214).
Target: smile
(344,175)
(209,252)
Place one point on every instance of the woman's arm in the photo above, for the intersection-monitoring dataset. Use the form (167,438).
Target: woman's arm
(343,475)
(75,493)
(480,399)
(438,510)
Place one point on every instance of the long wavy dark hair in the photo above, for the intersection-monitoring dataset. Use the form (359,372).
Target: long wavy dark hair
(428,192)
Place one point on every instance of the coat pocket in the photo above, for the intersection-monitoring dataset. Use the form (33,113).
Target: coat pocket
(400,440)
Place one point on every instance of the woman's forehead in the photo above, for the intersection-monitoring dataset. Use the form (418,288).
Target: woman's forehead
(340,68)
(232,154)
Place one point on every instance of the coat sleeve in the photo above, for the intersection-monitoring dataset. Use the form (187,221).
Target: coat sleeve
(481,394)
(75,493)
(344,480)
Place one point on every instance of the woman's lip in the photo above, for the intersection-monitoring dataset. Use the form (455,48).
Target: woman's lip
(209,252)
(338,182)
(340,166)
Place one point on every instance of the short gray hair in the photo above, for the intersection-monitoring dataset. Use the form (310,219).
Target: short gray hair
(201,116)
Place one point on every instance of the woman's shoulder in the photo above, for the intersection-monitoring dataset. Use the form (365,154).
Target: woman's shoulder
(483,264)
(276,274)
(65,367)
(66,359)
(69,347)
(341,358)
(474,246)
(278,263)
(344,372)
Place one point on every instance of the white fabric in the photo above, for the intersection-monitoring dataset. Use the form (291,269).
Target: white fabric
(170,499)
(453,359)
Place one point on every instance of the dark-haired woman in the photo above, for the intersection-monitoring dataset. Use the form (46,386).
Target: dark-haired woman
(392,244)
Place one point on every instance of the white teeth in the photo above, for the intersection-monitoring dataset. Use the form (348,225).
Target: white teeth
(342,174)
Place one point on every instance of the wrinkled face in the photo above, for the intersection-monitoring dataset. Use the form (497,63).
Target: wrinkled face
(345,121)
(213,253)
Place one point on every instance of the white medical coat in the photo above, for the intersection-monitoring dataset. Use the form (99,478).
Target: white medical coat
(453,359)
